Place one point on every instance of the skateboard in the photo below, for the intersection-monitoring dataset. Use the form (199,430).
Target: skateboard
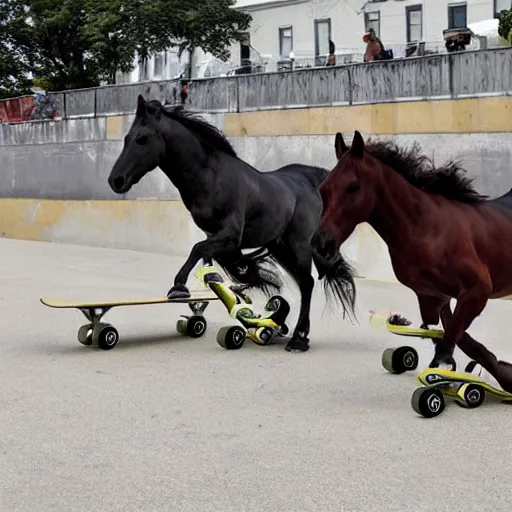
(261,329)
(405,358)
(105,335)
(466,389)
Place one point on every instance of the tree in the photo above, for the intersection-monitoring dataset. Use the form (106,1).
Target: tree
(13,67)
(13,74)
(505,25)
(79,43)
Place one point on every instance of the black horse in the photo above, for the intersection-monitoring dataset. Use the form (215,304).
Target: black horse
(236,206)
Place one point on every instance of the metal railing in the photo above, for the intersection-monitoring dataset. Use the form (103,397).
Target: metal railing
(442,76)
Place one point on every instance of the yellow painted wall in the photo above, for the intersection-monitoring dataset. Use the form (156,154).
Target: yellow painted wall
(475,115)
(152,226)
(146,225)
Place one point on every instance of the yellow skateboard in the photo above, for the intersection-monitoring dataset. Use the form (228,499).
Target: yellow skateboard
(467,390)
(105,335)
(260,328)
(405,358)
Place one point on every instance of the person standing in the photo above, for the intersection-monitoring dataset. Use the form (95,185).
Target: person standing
(374,47)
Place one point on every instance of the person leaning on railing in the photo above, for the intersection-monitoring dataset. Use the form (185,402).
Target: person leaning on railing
(374,47)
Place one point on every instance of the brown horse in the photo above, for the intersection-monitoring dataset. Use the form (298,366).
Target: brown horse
(445,240)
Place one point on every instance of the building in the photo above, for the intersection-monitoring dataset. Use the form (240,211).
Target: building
(304,27)
(399,22)
(286,33)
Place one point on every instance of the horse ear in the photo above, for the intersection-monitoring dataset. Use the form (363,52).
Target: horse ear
(154,108)
(339,145)
(357,148)
(141,106)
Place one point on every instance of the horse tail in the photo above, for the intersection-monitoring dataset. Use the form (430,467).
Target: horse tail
(338,280)
(257,270)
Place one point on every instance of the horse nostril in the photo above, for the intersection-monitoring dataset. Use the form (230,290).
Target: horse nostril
(119,183)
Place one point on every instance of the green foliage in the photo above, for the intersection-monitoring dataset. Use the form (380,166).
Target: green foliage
(505,25)
(13,78)
(13,68)
(69,44)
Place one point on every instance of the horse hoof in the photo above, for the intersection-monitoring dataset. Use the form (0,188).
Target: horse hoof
(178,292)
(444,363)
(296,346)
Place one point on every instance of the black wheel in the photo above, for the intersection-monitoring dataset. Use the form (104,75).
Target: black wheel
(231,338)
(85,334)
(105,336)
(428,402)
(194,326)
(470,395)
(263,336)
(400,360)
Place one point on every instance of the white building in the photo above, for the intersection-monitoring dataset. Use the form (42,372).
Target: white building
(302,29)
(402,21)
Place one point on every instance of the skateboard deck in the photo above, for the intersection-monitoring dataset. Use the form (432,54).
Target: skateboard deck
(195,297)
(399,325)
(444,377)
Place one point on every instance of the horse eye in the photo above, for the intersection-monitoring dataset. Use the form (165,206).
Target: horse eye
(141,141)
(352,187)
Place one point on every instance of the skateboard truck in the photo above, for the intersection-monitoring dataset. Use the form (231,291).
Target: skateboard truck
(97,333)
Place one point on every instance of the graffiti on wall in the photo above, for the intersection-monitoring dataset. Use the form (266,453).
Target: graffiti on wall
(28,108)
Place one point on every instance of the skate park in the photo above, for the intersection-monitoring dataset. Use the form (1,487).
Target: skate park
(165,422)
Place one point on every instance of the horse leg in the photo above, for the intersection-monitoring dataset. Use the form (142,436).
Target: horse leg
(469,305)
(430,310)
(223,242)
(500,370)
(296,257)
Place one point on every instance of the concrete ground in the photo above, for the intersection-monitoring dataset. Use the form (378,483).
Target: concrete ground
(166,423)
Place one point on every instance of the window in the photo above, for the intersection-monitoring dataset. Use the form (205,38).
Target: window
(245,46)
(143,70)
(457,15)
(414,17)
(285,42)
(158,66)
(322,37)
(501,5)
(372,20)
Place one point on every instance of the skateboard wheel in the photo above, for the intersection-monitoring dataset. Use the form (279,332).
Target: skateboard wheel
(105,336)
(470,395)
(181,326)
(400,360)
(263,336)
(85,334)
(428,402)
(195,326)
(231,338)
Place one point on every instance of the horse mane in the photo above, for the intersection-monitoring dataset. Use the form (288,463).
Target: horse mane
(208,134)
(448,181)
